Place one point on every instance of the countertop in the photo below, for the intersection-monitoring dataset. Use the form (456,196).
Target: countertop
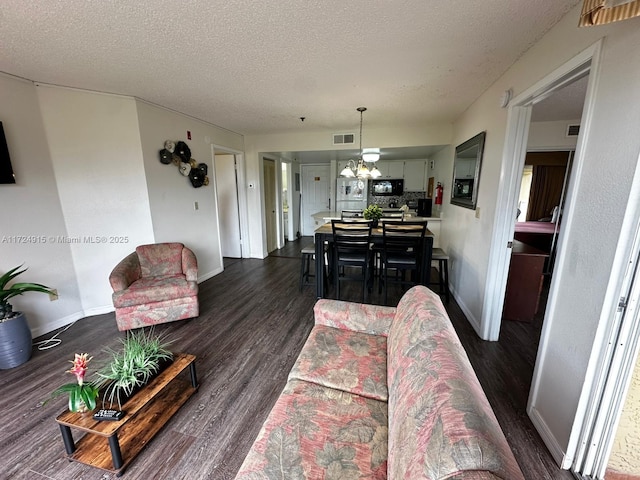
(332,214)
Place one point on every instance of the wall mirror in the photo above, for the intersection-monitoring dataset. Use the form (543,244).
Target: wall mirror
(466,172)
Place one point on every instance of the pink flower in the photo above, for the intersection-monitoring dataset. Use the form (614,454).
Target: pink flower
(80,366)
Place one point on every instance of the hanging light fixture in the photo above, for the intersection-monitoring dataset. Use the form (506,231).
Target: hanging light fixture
(360,169)
(349,169)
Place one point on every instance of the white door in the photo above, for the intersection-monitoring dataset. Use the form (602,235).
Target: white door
(315,194)
(227,188)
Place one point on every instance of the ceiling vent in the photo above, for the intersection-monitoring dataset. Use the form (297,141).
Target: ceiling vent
(573,130)
(343,138)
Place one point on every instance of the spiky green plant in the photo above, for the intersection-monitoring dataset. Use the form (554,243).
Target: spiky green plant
(132,366)
(7,292)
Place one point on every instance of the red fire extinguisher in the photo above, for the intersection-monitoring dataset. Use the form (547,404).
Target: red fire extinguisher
(439,194)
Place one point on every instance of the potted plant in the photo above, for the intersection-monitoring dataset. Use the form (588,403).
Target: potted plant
(142,356)
(82,396)
(374,213)
(15,335)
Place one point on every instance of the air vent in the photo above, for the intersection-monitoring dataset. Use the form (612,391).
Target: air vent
(573,130)
(344,138)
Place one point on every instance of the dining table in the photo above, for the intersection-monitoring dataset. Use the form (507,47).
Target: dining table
(324,233)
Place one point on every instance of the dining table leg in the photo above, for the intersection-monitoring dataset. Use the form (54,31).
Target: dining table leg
(319,243)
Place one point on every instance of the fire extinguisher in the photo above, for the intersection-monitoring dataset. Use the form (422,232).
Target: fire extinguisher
(439,194)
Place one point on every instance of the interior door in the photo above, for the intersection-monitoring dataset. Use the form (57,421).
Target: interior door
(315,194)
(228,211)
(270,206)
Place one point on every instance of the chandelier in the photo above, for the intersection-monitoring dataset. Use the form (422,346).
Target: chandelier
(359,168)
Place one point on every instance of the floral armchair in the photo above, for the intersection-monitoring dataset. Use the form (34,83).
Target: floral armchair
(155,284)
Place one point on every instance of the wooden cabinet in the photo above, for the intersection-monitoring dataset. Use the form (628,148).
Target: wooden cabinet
(524,282)
(415,175)
(390,169)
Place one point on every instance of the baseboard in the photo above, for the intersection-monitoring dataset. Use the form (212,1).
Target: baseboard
(475,323)
(207,276)
(549,440)
(61,322)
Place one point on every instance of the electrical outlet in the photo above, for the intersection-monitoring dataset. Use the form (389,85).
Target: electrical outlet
(53,296)
(195,205)
(477,212)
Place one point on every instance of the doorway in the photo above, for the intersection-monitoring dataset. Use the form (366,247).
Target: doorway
(315,194)
(270,204)
(228,205)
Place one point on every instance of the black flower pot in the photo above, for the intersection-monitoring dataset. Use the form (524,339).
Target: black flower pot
(15,342)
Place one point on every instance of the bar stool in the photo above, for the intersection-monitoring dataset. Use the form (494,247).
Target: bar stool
(308,253)
(442,258)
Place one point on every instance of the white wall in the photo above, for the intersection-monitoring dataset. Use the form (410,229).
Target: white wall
(551,135)
(171,195)
(601,188)
(31,208)
(319,140)
(95,149)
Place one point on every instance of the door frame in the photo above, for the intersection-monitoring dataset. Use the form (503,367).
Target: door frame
(243,208)
(513,157)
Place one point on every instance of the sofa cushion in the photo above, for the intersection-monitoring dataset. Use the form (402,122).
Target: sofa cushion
(155,289)
(160,259)
(440,421)
(359,317)
(318,432)
(350,361)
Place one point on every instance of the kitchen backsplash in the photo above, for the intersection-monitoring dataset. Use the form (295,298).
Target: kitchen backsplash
(399,200)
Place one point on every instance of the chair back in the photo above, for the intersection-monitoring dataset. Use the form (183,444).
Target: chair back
(351,238)
(403,238)
(350,214)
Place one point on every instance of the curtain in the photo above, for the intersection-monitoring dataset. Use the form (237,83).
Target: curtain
(599,12)
(546,190)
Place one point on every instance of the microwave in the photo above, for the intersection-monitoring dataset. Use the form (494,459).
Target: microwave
(387,187)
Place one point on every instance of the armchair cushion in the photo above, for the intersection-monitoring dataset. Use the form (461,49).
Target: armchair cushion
(160,259)
(155,289)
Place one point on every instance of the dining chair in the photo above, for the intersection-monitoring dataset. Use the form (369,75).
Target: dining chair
(346,214)
(351,249)
(401,252)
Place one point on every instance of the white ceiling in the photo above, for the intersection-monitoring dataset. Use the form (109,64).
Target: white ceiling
(256,67)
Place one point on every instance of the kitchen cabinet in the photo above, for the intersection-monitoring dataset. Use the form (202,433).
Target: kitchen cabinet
(466,168)
(415,175)
(390,169)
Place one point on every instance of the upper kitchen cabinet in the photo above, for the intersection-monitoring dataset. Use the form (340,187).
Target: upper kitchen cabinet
(415,175)
(390,169)
(465,168)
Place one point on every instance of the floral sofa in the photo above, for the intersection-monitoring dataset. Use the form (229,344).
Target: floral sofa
(382,392)
(155,284)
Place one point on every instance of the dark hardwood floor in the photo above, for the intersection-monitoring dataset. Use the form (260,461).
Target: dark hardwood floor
(252,325)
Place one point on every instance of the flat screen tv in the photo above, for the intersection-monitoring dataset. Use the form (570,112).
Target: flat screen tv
(6,172)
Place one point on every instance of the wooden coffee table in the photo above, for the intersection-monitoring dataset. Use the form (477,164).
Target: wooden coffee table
(146,413)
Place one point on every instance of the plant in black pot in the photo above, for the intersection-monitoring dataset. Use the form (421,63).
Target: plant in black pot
(15,335)
(143,355)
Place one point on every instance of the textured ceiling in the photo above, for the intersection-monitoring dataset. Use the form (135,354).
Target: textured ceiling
(256,67)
